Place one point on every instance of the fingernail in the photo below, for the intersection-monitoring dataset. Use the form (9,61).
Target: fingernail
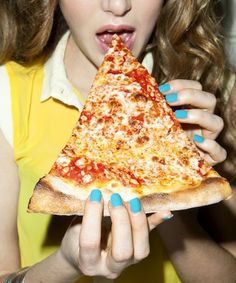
(181,114)
(95,195)
(199,139)
(135,205)
(168,217)
(164,88)
(171,97)
(116,200)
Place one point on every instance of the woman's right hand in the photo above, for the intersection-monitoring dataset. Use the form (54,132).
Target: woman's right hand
(90,252)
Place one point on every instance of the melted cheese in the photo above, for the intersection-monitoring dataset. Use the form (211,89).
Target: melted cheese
(128,126)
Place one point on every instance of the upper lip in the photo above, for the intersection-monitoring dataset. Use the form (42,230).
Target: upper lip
(115,28)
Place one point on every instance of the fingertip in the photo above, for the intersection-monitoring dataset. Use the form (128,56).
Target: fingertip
(135,205)
(168,217)
(198,138)
(159,217)
(95,195)
(164,88)
(116,200)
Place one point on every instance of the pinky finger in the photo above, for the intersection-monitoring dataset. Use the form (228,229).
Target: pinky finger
(157,218)
(211,148)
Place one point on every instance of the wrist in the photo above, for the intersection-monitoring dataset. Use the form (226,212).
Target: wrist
(54,269)
(68,264)
(17,277)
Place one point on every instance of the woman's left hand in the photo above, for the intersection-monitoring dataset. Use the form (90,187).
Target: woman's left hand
(197,116)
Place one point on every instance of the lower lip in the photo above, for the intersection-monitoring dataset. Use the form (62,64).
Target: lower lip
(128,43)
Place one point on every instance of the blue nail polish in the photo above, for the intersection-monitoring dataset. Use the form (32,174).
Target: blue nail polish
(95,195)
(116,200)
(199,139)
(168,217)
(164,88)
(135,205)
(181,114)
(171,97)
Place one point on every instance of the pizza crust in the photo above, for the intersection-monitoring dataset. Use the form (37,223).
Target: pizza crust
(128,140)
(211,190)
(47,199)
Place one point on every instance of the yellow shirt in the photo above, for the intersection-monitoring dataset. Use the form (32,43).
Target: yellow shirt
(44,110)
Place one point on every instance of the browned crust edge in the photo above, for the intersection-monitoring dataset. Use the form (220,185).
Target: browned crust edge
(212,190)
(49,201)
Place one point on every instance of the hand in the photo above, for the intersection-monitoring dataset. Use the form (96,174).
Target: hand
(93,253)
(197,116)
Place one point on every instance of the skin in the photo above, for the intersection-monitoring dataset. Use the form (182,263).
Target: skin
(83,55)
(80,251)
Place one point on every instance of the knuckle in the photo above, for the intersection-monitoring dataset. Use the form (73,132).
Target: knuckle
(223,155)
(88,272)
(89,245)
(214,100)
(113,275)
(198,85)
(122,256)
(220,123)
(140,256)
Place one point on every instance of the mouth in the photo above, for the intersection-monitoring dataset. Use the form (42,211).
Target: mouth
(104,36)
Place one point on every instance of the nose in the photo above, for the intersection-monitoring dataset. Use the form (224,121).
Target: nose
(116,7)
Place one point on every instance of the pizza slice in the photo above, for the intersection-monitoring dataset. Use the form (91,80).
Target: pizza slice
(127,140)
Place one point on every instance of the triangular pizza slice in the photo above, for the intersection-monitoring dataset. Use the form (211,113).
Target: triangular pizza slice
(127,140)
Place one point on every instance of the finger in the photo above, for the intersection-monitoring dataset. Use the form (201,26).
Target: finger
(140,229)
(177,85)
(157,218)
(212,124)
(193,97)
(122,242)
(216,152)
(90,234)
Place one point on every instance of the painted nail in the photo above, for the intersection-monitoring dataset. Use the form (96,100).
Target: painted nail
(171,97)
(168,217)
(181,114)
(95,195)
(164,88)
(116,200)
(199,139)
(135,205)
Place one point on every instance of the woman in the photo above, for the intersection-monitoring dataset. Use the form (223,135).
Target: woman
(47,77)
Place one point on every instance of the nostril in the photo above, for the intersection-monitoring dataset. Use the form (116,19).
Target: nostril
(117,7)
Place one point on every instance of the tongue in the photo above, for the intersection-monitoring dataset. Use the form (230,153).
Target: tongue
(106,37)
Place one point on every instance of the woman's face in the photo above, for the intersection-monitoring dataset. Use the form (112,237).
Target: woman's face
(93,22)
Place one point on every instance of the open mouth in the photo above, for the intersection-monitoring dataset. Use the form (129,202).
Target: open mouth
(104,36)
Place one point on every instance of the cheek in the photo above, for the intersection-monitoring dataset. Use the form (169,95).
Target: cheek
(150,12)
(75,12)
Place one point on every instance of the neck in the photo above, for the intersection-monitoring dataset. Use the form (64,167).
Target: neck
(80,71)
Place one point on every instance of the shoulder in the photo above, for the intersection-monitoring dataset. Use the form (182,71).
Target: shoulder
(13,76)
